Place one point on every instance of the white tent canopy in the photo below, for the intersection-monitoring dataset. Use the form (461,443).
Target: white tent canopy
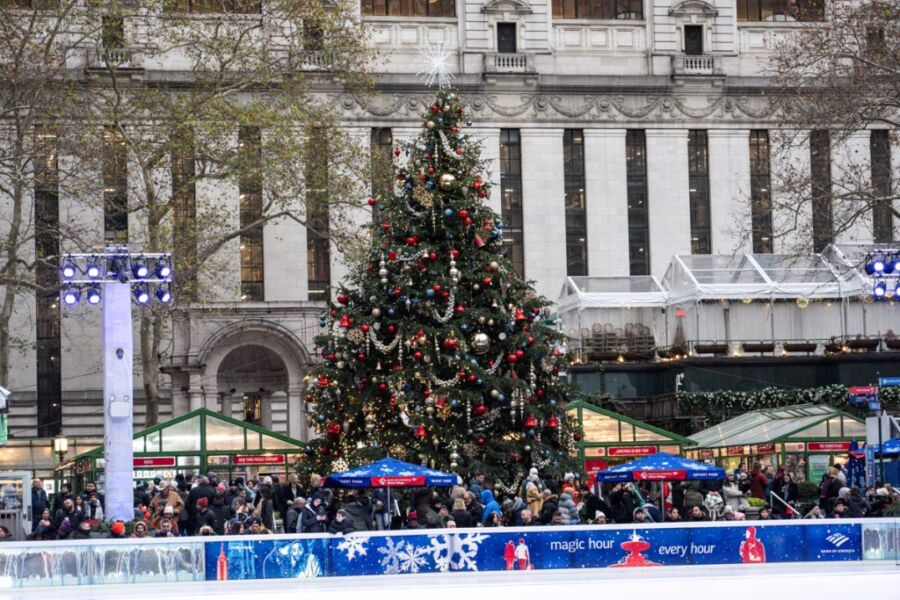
(733,299)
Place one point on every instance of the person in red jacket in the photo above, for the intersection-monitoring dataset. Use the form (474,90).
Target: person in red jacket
(758,482)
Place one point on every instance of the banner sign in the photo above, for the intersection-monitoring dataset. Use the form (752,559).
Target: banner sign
(706,453)
(765,448)
(441,550)
(862,395)
(828,446)
(632,451)
(888,381)
(258,459)
(155,461)
(734,451)
(398,481)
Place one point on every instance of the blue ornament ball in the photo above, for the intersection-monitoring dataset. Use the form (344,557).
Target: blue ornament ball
(430,293)
(501,398)
(454,403)
(448,212)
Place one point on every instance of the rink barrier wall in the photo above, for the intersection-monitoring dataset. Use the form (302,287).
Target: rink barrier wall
(97,562)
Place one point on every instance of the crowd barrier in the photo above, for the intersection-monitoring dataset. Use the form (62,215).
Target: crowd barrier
(93,562)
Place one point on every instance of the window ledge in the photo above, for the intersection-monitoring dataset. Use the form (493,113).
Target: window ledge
(392,19)
(635,22)
(779,24)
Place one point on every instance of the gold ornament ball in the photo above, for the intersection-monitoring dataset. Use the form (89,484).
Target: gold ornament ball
(430,125)
(495,265)
(376,312)
(447,180)
(480,343)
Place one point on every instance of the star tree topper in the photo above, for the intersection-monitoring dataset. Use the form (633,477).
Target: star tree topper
(436,59)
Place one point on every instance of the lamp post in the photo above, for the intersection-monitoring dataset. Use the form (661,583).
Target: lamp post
(115,278)
(61,447)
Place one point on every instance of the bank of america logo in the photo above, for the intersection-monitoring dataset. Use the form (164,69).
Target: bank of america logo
(838,539)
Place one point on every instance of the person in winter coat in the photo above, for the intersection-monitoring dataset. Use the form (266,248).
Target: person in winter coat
(829,488)
(693,493)
(857,507)
(294,515)
(359,512)
(549,506)
(758,482)
(623,503)
(117,531)
(44,529)
(166,496)
(82,532)
(314,519)
(568,510)
(67,519)
(490,505)
(341,524)
(204,516)
(202,490)
(732,494)
(220,509)
(93,509)
(266,507)
(460,515)
(39,501)
(533,495)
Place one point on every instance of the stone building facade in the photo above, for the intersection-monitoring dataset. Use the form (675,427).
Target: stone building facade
(622,132)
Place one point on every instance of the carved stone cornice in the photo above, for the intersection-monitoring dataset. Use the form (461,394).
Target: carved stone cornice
(574,107)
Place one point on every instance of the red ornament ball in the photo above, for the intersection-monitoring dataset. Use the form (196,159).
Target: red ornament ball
(480,440)
(372,200)
(411,241)
(480,409)
(463,214)
(511,358)
(334,429)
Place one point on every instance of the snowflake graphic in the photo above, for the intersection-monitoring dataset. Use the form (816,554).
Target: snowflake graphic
(353,546)
(391,560)
(456,552)
(412,557)
(402,557)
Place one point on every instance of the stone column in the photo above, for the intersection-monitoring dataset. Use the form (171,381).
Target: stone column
(667,197)
(357,216)
(543,209)
(851,169)
(490,150)
(296,412)
(789,163)
(729,189)
(606,190)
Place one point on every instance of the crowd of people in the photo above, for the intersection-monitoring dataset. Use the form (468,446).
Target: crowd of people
(205,505)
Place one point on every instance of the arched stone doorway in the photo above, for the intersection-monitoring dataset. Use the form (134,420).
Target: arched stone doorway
(252,384)
(254,369)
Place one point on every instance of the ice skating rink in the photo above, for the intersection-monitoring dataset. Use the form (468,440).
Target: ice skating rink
(795,581)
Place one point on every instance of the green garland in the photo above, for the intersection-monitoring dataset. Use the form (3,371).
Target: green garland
(718,406)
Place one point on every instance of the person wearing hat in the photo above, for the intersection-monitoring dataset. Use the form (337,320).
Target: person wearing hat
(412,520)
(600,518)
(117,531)
(166,496)
(204,516)
(341,525)
(254,526)
(220,508)
(549,506)
(168,513)
(140,530)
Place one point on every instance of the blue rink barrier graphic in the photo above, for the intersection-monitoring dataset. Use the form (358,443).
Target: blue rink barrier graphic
(67,563)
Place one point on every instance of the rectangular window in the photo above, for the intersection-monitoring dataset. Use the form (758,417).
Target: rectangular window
(576,209)
(251,202)
(760,192)
(318,255)
(184,213)
(882,215)
(598,9)
(115,187)
(781,10)
(638,216)
(506,38)
(820,177)
(47,318)
(511,197)
(214,6)
(381,148)
(698,187)
(408,8)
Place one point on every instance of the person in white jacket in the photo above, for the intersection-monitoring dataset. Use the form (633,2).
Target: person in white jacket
(733,495)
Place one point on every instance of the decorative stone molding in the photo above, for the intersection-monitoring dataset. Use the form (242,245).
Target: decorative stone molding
(693,7)
(506,6)
(599,107)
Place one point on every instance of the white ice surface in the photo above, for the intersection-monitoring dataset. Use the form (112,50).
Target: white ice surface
(801,581)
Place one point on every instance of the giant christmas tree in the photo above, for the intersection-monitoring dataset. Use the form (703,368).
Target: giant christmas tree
(436,353)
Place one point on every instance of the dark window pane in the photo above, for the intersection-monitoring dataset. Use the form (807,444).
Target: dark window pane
(115,186)
(760,192)
(638,217)
(511,197)
(318,255)
(698,182)
(251,206)
(820,175)
(184,213)
(576,213)
(882,215)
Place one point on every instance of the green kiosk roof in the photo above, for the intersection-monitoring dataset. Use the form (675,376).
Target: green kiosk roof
(790,423)
(602,426)
(205,431)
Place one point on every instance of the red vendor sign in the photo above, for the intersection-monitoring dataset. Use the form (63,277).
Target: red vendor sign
(673,475)
(399,481)
(632,450)
(258,459)
(155,461)
(828,446)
